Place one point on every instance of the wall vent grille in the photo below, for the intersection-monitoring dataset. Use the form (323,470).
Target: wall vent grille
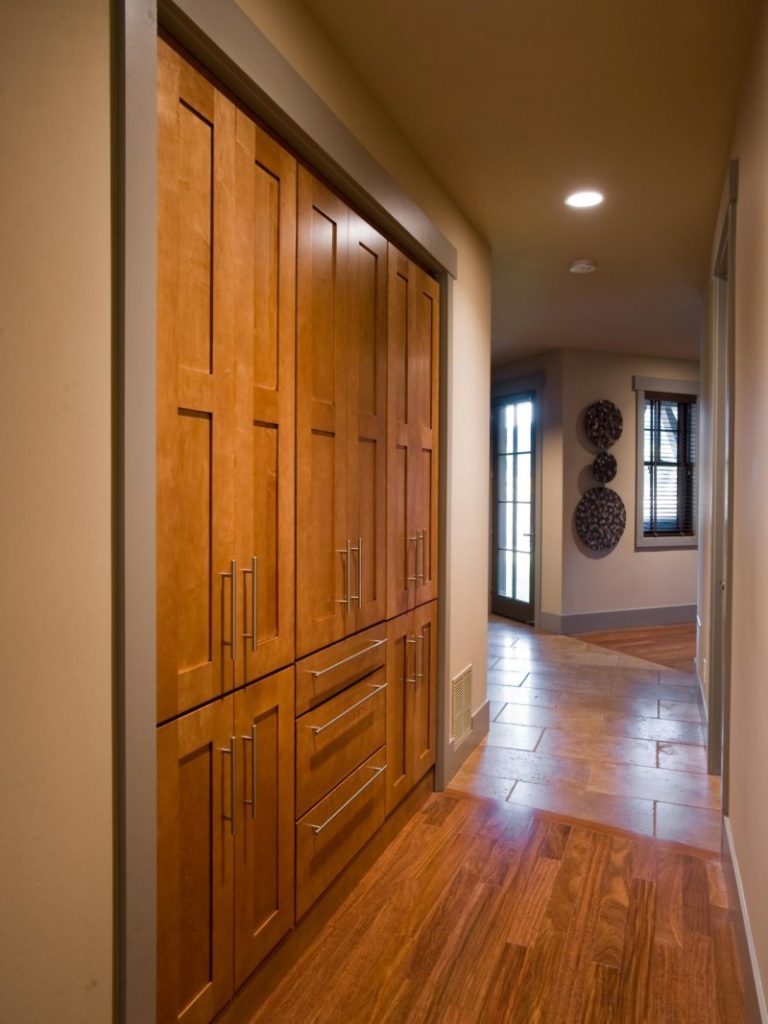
(461,706)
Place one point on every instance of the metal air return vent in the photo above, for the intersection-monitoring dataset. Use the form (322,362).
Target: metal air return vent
(461,706)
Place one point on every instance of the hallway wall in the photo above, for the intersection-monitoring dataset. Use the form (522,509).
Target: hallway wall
(56,564)
(749,660)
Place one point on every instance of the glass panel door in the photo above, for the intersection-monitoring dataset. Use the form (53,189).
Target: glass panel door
(513,533)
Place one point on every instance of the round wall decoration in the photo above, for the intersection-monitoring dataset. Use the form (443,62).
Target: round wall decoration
(604,467)
(603,423)
(600,519)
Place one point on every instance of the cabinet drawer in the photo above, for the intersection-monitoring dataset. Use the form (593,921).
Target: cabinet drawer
(321,675)
(337,737)
(330,835)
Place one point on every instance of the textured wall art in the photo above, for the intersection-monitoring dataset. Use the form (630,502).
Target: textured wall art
(604,467)
(603,423)
(601,519)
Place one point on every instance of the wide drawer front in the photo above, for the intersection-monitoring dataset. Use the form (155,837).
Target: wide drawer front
(321,675)
(337,737)
(330,835)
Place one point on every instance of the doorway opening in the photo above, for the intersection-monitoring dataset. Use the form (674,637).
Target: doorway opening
(513,533)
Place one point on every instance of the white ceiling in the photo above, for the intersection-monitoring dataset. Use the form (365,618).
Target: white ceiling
(515,103)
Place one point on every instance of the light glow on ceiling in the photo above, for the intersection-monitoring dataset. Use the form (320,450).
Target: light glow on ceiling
(582,200)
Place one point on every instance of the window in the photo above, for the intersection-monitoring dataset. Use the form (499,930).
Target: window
(666,499)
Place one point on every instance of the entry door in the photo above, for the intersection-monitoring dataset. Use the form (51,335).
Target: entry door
(513,533)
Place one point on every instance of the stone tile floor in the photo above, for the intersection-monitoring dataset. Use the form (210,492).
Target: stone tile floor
(593,734)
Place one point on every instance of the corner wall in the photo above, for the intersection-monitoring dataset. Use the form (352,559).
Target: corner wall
(292,30)
(56,924)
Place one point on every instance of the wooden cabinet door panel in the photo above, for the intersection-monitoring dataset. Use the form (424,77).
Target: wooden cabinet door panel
(264,854)
(264,280)
(400,667)
(195,892)
(195,533)
(323,569)
(367,422)
(423,716)
(424,351)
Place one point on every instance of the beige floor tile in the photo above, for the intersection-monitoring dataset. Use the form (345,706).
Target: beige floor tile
(674,787)
(598,748)
(683,757)
(642,706)
(516,737)
(528,766)
(528,695)
(681,711)
(482,785)
(506,678)
(552,718)
(619,812)
(694,826)
(653,728)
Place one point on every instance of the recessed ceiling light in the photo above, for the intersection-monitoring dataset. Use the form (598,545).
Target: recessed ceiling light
(581,200)
(583,267)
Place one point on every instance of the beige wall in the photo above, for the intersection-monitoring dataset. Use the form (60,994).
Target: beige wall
(749,666)
(297,35)
(574,582)
(55,573)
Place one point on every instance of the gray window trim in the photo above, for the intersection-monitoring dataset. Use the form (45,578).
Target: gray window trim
(672,387)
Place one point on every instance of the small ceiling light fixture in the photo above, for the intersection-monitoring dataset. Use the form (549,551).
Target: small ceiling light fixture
(582,200)
(583,267)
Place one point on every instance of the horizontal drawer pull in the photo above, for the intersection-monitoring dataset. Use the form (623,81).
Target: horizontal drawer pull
(317,829)
(366,650)
(376,687)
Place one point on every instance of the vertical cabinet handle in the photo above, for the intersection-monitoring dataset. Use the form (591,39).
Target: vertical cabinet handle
(359,572)
(413,540)
(254,573)
(232,576)
(420,660)
(232,751)
(421,555)
(411,641)
(347,551)
(254,767)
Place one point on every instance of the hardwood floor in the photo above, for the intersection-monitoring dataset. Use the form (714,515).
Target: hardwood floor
(673,646)
(481,911)
(596,735)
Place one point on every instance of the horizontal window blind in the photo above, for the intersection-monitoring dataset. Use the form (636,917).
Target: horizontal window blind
(669,446)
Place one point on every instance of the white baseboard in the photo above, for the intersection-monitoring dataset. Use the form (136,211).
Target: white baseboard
(760,992)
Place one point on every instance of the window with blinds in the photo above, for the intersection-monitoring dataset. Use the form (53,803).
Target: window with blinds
(669,456)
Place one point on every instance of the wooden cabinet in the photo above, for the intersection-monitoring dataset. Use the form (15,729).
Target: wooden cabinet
(341,419)
(225,397)
(412,431)
(225,845)
(411,699)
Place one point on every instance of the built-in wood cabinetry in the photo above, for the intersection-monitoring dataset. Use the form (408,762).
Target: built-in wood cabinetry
(341,419)
(412,429)
(297,418)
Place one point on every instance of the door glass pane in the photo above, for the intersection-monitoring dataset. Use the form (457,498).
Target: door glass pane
(506,516)
(524,426)
(523,530)
(505,470)
(523,477)
(505,573)
(523,576)
(506,429)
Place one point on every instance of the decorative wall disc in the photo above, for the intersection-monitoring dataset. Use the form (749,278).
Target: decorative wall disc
(600,519)
(603,423)
(604,467)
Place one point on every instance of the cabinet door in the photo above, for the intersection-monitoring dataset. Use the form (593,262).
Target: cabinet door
(194,825)
(264,856)
(401,664)
(264,255)
(401,543)
(323,561)
(423,714)
(195,533)
(424,348)
(367,423)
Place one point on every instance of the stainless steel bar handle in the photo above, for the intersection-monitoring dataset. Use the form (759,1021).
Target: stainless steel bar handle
(420,657)
(254,768)
(232,751)
(410,641)
(254,572)
(232,575)
(420,559)
(413,540)
(375,687)
(317,829)
(359,572)
(347,551)
(351,657)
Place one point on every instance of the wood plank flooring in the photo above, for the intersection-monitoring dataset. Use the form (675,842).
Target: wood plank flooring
(597,735)
(481,911)
(673,646)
